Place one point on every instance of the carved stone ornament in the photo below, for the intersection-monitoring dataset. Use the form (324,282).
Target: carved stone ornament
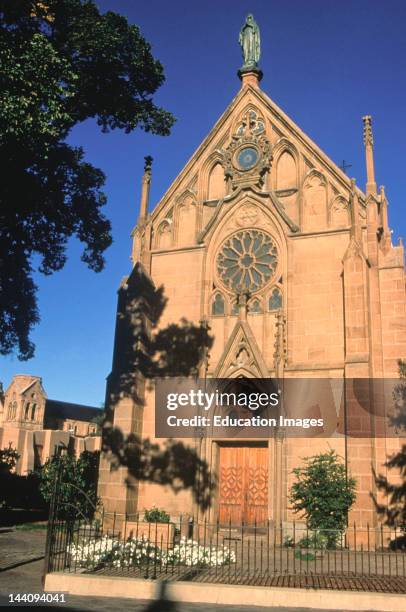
(247,216)
(247,158)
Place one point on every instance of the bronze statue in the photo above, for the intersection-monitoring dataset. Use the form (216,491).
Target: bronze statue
(250,42)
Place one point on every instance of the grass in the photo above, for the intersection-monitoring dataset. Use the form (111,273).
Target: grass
(31,526)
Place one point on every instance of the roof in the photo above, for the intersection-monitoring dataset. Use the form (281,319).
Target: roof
(65,410)
(254,93)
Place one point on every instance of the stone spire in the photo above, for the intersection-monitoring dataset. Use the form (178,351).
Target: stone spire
(369,155)
(355,231)
(386,237)
(146,183)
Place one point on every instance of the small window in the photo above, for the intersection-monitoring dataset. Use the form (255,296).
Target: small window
(27,411)
(254,307)
(234,308)
(33,409)
(217,307)
(275,301)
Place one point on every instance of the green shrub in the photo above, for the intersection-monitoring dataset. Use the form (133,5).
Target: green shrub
(8,459)
(156,515)
(323,493)
(317,540)
(77,493)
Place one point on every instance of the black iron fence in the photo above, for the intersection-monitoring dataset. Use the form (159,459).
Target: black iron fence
(243,554)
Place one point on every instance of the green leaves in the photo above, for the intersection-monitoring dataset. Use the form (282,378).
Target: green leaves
(8,459)
(77,494)
(323,493)
(62,62)
(35,86)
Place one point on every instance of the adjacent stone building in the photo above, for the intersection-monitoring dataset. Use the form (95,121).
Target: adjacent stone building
(292,266)
(39,428)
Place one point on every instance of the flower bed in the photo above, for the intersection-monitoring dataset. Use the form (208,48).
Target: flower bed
(109,552)
(190,552)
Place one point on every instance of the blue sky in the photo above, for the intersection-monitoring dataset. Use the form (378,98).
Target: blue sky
(325,63)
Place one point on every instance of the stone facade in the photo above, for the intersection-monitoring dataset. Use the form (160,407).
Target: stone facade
(38,427)
(329,301)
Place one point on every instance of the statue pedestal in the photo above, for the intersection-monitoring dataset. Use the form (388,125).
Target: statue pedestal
(250,76)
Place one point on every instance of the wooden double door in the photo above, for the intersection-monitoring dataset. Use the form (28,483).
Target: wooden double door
(243,484)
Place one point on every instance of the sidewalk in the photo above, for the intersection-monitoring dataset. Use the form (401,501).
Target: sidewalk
(27,579)
(17,547)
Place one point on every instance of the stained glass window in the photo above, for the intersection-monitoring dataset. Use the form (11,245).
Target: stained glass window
(234,308)
(254,307)
(217,307)
(275,301)
(247,261)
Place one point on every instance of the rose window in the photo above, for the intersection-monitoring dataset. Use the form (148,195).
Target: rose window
(247,261)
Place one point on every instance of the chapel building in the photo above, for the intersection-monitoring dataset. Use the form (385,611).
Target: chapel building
(292,266)
(39,428)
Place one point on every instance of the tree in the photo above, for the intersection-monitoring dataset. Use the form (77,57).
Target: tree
(77,494)
(394,511)
(323,493)
(62,63)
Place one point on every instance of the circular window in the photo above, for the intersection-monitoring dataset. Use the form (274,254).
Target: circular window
(247,158)
(247,261)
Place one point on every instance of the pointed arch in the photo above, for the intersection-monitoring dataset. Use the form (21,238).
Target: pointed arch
(216,187)
(163,238)
(339,212)
(275,299)
(250,117)
(282,146)
(241,353)
(255,306)
(218,307)
(186,218)
(232,219)
(314,193)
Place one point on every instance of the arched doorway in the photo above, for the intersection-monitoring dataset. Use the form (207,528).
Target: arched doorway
(243,469)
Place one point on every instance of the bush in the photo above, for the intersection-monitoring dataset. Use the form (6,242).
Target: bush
(317,540)
(156,515)
(8,459)
(323,493)
(77,495)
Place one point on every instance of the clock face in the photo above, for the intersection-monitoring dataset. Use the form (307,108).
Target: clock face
(247,158)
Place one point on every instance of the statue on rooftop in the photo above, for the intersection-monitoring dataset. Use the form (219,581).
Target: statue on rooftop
(250,42)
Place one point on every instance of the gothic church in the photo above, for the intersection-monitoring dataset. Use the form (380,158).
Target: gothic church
(292,266)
